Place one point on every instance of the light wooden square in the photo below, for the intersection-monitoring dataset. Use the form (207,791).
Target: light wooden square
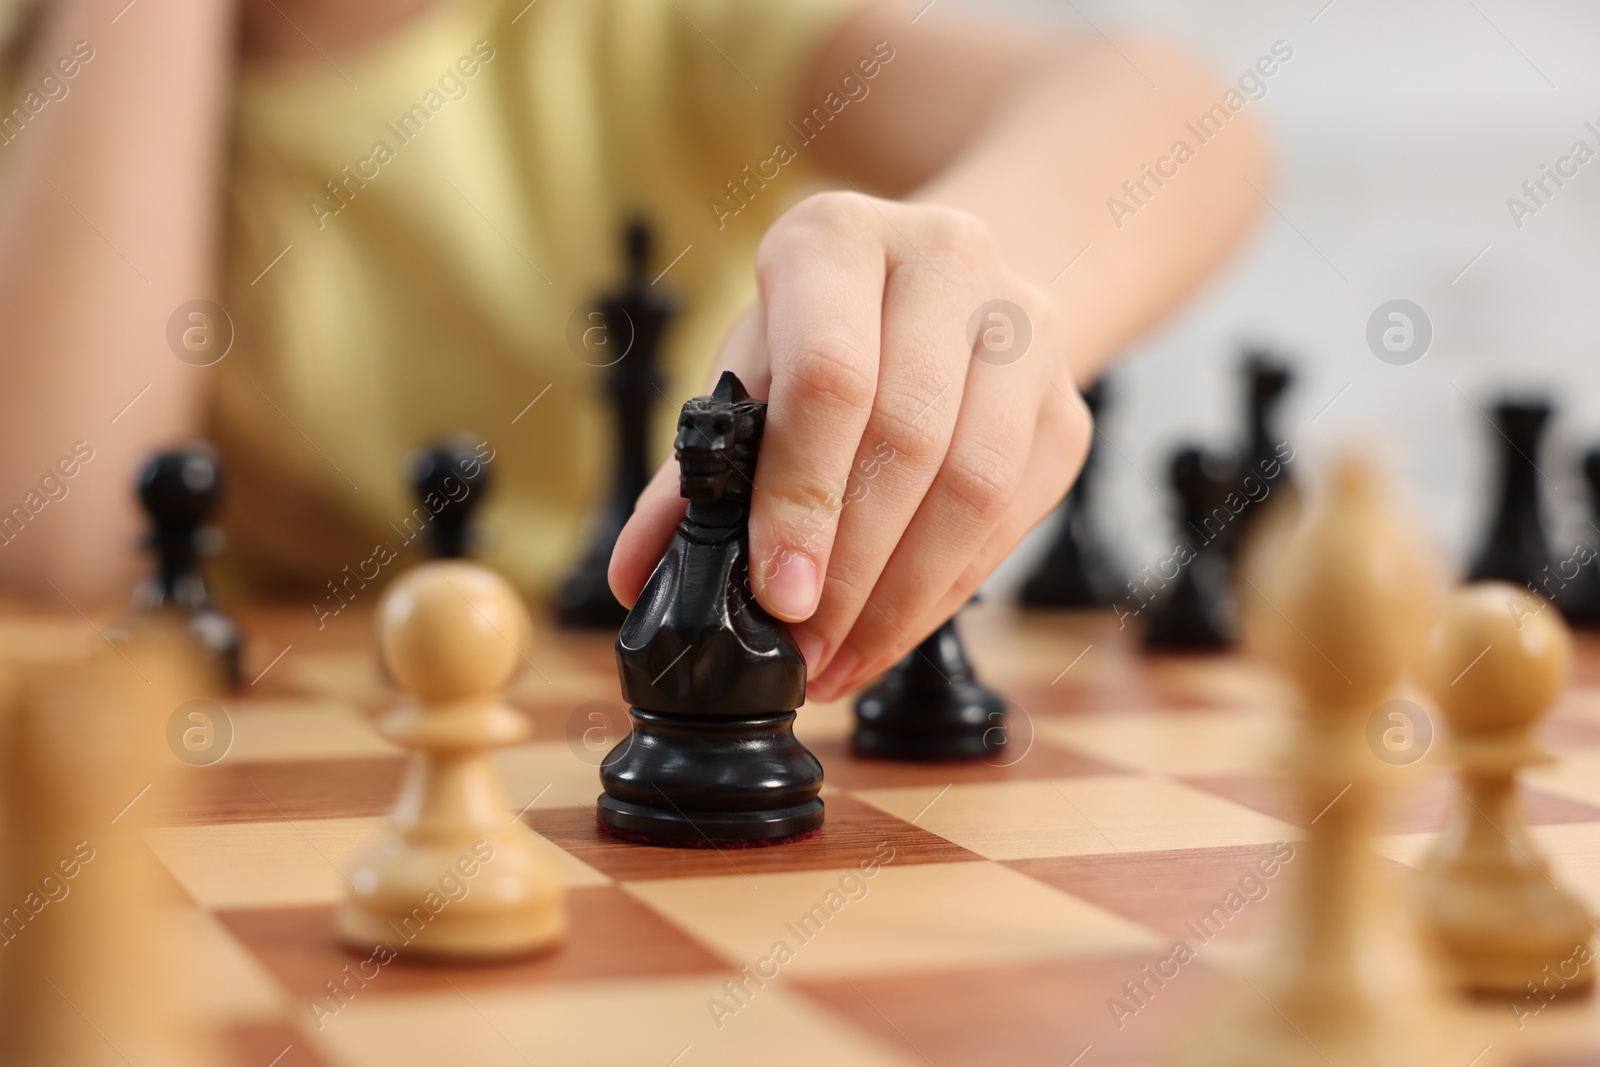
(1079,816)
(549,772)
(271,730)
(599,1024)
(1575,775)
(837,922)
(1196,742)
(277,864)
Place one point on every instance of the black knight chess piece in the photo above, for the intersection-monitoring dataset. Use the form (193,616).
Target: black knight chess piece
(179,490)
(930,706)
(1516,550)
(1077,571)
(1194,607)
(634,321)
(713,679)
(450,479)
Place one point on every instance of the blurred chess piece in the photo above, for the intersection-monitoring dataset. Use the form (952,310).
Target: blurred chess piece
(1195,609)
(1336,988)
(1516,550)
(180,490)
(1077,571)
(1264,478)
(1581,603)
(456,875)
(450,480)
(635,318)
(90,967)
(1496,661)
(931,706)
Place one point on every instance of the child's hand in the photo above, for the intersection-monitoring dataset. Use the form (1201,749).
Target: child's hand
(916,430)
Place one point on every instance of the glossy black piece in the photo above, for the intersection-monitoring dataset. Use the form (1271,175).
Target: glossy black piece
(179,490)
(450,480)
(1263,470)
(1578,595)
(1194,607)
(931,706)
(1077,571)
(1516,550)
(1266,380)
(638,315)
(713,679)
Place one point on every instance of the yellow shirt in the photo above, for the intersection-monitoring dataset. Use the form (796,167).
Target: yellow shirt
(411,228)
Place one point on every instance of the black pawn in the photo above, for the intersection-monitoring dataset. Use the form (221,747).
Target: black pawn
(1194,607)
(450,481)
(930,706)
(179,490)
(635,319)
(1580,602)
(1077,571)
(1516,550)
(713,679)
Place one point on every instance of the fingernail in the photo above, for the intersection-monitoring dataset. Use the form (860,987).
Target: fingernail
(792,591)
(811,647)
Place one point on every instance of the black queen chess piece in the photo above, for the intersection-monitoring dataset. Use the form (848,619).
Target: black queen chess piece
(712,679)
(930,706)
(633,322)
(179,490)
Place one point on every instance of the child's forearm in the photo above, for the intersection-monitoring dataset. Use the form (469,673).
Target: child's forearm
(1048,177)
(108,216)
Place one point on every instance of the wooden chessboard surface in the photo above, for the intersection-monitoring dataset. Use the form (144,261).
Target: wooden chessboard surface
(972,914)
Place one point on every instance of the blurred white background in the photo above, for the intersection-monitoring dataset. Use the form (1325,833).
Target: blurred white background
(1400,129)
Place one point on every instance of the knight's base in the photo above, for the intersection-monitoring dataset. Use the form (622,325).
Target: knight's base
(659,826)
(689,781)
(918,724)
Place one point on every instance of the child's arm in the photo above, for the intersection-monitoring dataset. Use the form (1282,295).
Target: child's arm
(109,200)
(901,464)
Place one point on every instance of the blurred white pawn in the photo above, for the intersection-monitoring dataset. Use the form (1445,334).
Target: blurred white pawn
(1496,661)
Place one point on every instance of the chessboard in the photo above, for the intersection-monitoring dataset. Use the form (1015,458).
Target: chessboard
(982,913)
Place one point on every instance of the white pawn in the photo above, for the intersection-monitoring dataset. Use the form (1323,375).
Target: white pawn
(456,875)
(1496,661)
